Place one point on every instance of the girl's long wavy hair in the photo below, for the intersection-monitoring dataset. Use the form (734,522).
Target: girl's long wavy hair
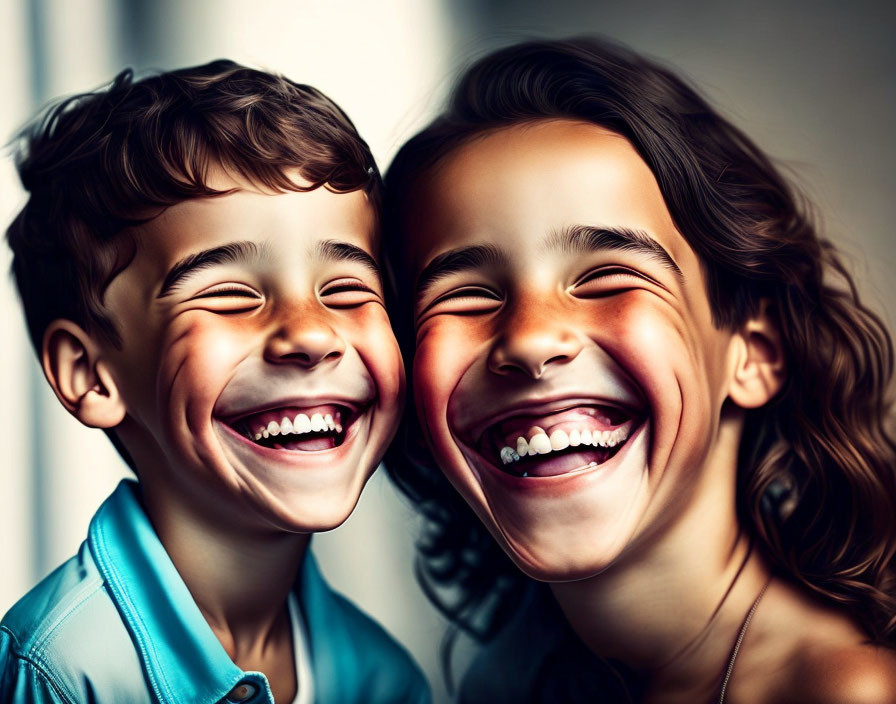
(817,470)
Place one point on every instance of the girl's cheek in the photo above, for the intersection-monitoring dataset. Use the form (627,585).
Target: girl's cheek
(427,361)
(441,353)
(635,320)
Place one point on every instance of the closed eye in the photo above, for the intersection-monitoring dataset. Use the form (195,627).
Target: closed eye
(609,280)
(348,293)
(224,292)
(229,298)
(469,300)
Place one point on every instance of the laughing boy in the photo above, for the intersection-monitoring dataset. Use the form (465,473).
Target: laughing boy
(198,268)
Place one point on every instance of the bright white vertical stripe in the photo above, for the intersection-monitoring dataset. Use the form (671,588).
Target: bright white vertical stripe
(77,468)
(81,468)
(15,513)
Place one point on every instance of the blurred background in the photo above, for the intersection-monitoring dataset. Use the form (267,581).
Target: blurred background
(811,82)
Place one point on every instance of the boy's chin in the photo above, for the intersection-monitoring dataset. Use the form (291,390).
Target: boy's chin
(303,492)
(255,490)
(313,512)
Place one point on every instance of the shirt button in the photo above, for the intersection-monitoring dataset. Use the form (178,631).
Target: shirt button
(242,692)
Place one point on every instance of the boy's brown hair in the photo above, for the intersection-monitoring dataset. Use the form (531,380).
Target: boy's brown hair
(98,163)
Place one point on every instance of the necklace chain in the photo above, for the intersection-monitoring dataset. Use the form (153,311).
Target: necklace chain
(737,643)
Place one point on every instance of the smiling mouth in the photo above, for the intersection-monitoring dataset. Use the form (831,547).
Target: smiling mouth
(310,429)
(558,442)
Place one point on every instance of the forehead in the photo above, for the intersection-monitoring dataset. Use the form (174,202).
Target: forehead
(513,186)
(294,220)
(287,229)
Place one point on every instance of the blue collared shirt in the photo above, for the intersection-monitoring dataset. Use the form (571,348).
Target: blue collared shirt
(117,625)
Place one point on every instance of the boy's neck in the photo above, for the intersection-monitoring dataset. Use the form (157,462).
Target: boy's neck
(672,610)
(239,577)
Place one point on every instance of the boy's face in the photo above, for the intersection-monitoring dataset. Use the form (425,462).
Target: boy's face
(567,374)
(259,371)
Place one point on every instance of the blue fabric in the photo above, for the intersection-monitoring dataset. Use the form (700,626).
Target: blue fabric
(117,624)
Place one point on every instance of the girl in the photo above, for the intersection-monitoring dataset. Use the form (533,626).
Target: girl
(652,385)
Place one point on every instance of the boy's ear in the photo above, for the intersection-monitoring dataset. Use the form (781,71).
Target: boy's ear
(760,368)
(79,375)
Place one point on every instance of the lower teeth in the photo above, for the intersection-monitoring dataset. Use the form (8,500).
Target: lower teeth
(278,442)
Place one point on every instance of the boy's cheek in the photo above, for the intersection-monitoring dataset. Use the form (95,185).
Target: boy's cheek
(198,361)
(370,334)
(206,347)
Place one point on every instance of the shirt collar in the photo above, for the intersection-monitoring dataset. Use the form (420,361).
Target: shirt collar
(181,656)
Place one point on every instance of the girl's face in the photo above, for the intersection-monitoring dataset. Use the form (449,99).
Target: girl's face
(567,376)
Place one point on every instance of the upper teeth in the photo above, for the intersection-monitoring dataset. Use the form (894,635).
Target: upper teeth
(542,444)
(299,425)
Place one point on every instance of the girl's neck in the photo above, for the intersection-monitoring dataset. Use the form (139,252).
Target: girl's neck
(672,610)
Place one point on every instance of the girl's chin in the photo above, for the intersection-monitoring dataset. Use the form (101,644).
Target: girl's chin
(551,570)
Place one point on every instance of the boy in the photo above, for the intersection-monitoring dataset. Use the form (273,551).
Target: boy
(655,387)
(198,267)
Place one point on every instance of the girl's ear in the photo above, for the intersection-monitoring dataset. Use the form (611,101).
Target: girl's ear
(760,369)
(79,375)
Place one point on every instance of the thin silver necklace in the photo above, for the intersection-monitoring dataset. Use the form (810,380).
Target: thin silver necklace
(740,639)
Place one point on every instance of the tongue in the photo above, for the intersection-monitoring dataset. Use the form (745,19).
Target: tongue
(307,444)
(552,465)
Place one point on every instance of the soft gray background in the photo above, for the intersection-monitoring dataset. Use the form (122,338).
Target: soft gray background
(812,82)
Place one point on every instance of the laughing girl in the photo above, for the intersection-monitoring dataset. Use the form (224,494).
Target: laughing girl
(652,386)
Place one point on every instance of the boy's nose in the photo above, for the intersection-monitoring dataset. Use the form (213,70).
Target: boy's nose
(305,341)
(531,342)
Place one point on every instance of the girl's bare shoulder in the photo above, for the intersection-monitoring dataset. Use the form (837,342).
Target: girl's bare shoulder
(830,660)
(814,653)
(840,674)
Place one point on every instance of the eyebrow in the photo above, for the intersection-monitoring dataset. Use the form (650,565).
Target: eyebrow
(244,251)
(334,250)
(455,260)
(193,263)
(585,238)
(574,239)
